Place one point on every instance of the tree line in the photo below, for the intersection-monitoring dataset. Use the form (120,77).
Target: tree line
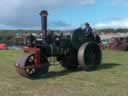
(122,30)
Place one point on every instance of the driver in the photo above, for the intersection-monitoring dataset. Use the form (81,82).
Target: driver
(88,32)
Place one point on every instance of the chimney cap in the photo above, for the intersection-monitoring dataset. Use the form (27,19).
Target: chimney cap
(43,13)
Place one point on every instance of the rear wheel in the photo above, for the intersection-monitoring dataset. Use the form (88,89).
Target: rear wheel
(89,56)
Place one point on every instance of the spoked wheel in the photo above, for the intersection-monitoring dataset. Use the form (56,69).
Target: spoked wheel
(30,62)
(69,62)
(26,66)
(89,56)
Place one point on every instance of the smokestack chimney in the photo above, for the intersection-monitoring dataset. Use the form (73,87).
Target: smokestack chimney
(44,15)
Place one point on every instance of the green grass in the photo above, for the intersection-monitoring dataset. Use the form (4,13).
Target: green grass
(111,79)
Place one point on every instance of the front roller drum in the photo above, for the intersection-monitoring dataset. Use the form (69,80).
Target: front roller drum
(25,66)
(89,56)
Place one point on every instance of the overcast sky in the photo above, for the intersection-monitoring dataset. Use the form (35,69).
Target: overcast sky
(63,14)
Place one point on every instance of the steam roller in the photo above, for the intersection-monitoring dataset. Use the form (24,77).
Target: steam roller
(73,51)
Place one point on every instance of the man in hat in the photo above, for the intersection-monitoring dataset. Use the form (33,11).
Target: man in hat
(88,32)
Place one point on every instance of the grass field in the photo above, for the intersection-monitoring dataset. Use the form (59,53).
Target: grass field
(111,79)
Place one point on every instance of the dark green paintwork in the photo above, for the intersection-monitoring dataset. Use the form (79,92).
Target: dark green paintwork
(78,37)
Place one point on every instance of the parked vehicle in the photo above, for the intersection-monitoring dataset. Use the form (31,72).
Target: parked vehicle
(119,43)
(3,46)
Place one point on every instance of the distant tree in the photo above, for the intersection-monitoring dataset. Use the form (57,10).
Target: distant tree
(106,30)
(122,30)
